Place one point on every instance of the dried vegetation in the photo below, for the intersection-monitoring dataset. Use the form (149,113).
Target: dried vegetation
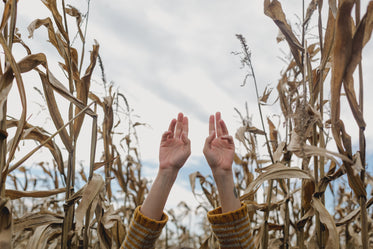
(307,155)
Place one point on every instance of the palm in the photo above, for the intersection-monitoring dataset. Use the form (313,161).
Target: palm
(219,146)
(220,154)
(175,145)
(173,152)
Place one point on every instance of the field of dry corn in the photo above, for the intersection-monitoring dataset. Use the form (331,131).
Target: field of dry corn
(56,204)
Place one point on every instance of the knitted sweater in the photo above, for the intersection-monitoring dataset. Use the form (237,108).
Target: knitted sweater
(232,229)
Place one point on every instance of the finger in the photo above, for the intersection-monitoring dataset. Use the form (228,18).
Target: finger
(211,124)
(166,135)
(228,138)
(179,125)
(185,126)
(210,138)
(218,126)
(224,128)
(185,139)
(172,125)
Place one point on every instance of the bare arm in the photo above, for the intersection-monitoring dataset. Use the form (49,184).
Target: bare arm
(173,153)
(219,153)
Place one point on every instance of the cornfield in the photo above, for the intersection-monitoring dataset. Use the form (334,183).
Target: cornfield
(58,202)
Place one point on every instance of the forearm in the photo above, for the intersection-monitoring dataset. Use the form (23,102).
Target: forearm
(229,198)
(156,200)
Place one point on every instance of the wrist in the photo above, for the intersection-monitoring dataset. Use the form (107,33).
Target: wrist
(222,173)
(169,173)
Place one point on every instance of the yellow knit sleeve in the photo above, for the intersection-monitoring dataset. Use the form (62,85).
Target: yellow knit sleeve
(232,228)
(143,231)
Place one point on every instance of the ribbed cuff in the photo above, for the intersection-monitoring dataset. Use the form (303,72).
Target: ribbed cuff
(217,217)
(143,231)
(149,223)
(232,228)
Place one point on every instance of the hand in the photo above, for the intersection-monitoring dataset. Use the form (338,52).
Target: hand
(219,146)
(175,145)
(219,153)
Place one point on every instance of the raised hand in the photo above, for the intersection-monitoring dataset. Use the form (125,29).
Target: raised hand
(219,146)
(175,145)
(219,153)
(173,152)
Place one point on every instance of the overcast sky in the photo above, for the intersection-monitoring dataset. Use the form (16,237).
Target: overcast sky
(175,56)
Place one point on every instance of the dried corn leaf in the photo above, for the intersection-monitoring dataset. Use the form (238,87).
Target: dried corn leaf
(90,192)
(341,55)
(328,40)
(281,89)
(33,220)
(107,136)
(310,9)
(31,62)
(355,182)
(273,9)
(55,112)
(276,243)
(17,74)
(366,25)
(254,206)
(360,38)
(74,12)
(82,174)
(110,218)
(42,235)
(309,150)
(109,118)
(328,221)
(6,14)
(119,172)
(12,24)
(273,134)
(118,232)
(352,215)
(26,64)
(265,95)
(52,6)
(278,153)
(82,88)
(276,171)
(62,90)
(47,22)
(16,194)
(95,98)
(192,180)
(71,59)
(255,130)
(308,189)
(4,91)
(333,7)
(240,135)
(202,181)
(307,216)
(40,135)
(69,54)
(103,235)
